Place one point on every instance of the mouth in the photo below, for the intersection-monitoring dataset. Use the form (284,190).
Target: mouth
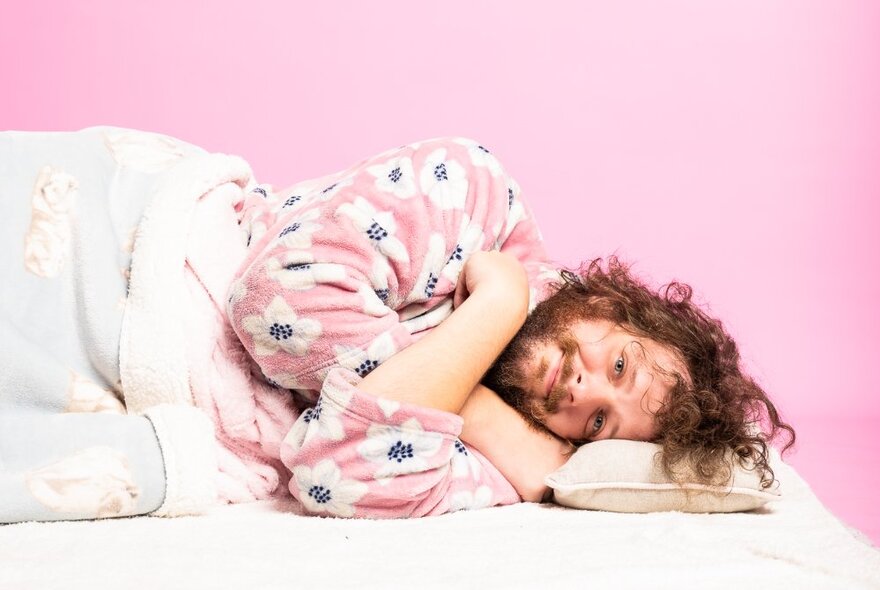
(552,375)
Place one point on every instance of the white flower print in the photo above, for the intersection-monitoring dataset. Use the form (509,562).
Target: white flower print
(373,305)
(237,292)
(389,407)
(428,278)
(396,176)
(295,197)
(297,233)
(253,231)
(264,190)
(399,449)
(321,420)
(466,500)
(291,201)
(379,282)
(470,239)
(329,191)
(515,215)
(285,380)
(322,489)
(444,181)
(363,361)
(299,388)
(416,317)
(379,226)
(480,156)
(299,271)
(516,212)
(464,463)
(513,191)
(279,328)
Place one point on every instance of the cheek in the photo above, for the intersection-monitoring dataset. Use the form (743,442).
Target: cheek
(644,428)
(566,424)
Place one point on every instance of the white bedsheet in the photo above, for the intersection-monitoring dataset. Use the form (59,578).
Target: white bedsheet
(792,544)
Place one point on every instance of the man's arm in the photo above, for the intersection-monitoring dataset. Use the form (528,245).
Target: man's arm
(522,453)
(440,370)
(443,370)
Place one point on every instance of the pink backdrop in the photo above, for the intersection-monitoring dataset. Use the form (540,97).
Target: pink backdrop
(732,145)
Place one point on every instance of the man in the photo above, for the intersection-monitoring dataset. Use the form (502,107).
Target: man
(384,293)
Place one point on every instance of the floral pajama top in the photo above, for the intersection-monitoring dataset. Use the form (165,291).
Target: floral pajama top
(345,271)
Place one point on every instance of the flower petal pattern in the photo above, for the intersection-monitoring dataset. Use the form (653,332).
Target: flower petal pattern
(396,176)
(297,270)
(480,156)
(322,489)
(279,328)
(297,234)
(399,449)
(379,227)
(363,361)
(467,500)
(445,181)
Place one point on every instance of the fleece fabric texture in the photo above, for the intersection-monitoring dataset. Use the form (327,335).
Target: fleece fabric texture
(91,259)
(344,272)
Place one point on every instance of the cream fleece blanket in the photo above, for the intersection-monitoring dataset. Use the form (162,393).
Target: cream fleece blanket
(791,544)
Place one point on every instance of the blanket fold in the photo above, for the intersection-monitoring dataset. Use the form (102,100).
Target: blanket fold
(176,346)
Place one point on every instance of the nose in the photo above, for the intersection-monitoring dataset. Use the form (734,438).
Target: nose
(585,388)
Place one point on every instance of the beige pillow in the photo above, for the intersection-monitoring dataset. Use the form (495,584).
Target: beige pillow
(623,476)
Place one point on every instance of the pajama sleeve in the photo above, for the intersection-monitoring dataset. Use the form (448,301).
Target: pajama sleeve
(356,455)
(521,237)
(348,273)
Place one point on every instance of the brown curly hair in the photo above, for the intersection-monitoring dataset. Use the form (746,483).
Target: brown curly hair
(718,409)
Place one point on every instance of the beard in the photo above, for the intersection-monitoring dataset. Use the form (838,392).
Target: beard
(549,322)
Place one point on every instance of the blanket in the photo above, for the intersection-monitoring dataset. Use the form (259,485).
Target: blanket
(792,543)
(118,248)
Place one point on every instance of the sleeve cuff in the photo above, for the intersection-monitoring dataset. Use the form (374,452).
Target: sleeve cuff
(186,438)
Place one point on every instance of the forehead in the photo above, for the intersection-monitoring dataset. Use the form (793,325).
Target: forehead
(604,336)
(594,331)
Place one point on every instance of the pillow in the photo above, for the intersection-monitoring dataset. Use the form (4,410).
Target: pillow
(623,476)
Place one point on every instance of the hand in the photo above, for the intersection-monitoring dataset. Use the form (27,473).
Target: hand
(492,270)
(493,296)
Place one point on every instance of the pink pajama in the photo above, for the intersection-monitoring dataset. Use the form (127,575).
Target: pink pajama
(344,272)
(354,454)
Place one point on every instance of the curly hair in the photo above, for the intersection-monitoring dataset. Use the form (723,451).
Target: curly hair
(719,409)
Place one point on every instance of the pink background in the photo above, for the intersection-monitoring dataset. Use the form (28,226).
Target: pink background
(732,145)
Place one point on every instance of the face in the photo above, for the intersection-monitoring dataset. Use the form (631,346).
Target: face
(585,379)
(599,382)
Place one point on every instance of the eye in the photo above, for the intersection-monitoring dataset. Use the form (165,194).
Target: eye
(598,423)
(619,365)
